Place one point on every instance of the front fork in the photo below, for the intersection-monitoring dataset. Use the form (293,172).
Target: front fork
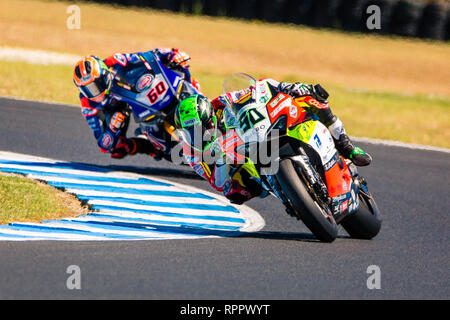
(313,179)
(318,188)
(310,177)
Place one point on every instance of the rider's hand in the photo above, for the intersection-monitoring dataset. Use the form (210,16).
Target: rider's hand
(299,90)
(117,121)
(179,58)
(123,147)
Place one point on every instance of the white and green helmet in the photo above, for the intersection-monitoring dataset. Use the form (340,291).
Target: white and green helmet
(197,120)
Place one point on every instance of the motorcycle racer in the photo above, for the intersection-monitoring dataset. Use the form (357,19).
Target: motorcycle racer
(237,183)
(105,113)
(322,109)
(240,183)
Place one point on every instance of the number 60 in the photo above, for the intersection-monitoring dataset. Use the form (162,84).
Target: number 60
(157,91)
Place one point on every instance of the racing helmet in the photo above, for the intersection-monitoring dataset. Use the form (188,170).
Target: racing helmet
(93,78)
(197,120)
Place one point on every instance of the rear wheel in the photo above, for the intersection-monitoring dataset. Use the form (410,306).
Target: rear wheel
(365,223)
(308,209)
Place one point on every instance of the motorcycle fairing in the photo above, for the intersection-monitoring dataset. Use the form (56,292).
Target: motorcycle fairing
(339,179)
(156,136)
(337,174)
(164,87)
(257,113)
(315,134)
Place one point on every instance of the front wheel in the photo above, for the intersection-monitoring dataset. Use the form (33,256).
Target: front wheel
(364,223)
(309,210)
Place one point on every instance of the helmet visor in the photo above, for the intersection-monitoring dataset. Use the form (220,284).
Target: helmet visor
(95,88)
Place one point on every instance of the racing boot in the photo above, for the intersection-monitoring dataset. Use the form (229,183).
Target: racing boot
(348,150)
(133,146)
(246,185)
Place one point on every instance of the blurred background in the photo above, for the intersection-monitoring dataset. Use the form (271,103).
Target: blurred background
(391,82)
(411,18)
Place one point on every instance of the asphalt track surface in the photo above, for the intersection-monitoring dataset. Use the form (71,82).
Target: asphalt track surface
(283,261)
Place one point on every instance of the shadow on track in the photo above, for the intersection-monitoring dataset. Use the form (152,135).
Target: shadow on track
(276,235)
(163,172)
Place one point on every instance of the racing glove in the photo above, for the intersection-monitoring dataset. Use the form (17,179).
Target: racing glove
(132,146)
(178,58)
(124,147)
(296,89)
(117,121)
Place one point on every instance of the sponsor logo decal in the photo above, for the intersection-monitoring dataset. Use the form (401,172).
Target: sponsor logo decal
(145,113)
(277,99)
(107,141)
(283,104)
(344,206)
(88,111)
(293,111)
(315,103)
(120,58)
(189,122)
(144,82)
(262,88)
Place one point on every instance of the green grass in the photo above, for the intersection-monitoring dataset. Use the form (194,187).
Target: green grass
(37,82)
(414,118)
(22,199)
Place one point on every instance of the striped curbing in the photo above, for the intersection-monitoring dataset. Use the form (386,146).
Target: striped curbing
(125,206)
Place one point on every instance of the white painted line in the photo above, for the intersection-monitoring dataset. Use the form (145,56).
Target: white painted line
(40,57)
(400,144)
(68,171)
(63,105)
(253,220)
(155,207)
(143,197)
(132,216)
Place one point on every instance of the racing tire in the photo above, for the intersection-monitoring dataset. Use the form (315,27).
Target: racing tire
(365,223)
(325,229)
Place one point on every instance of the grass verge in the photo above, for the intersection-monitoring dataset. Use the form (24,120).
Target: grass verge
(26,200)
(224,45)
